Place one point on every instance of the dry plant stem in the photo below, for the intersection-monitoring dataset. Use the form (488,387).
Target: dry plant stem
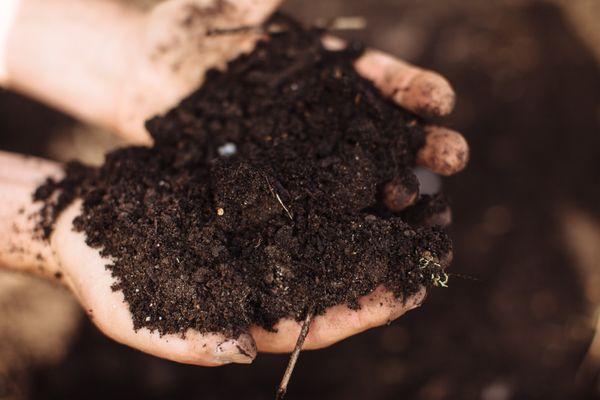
(343,23)
(337,24)
(294,356)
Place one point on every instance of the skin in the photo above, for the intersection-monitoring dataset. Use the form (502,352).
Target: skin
(397,196)
(119,66)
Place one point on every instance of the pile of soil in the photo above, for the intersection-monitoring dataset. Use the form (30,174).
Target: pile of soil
(261,196)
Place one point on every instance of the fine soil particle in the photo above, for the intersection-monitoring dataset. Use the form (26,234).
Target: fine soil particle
(261,196)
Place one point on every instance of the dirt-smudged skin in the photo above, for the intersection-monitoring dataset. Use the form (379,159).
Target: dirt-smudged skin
(261,196)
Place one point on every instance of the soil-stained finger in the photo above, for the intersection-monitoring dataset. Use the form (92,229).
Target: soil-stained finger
(445,152)
(401,192)
(423,92)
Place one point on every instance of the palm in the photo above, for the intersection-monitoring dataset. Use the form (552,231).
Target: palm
(85,274)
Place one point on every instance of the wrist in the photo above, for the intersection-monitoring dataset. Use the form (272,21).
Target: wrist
(8,12)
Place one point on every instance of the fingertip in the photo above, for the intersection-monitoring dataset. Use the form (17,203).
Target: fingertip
(401,192)
(422,92)
(445,152)
(428,94)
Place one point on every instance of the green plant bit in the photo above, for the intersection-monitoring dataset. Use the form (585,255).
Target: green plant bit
(438,279)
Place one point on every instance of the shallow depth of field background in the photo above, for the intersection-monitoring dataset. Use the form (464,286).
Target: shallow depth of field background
(527,229)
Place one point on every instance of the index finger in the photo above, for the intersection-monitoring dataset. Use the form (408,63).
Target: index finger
(424,92)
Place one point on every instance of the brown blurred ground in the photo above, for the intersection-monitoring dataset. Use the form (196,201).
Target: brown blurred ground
(527,227)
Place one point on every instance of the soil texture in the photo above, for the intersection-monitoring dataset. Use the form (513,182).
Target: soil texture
(261,196)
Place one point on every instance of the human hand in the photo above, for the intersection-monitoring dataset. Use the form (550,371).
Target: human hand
(137,80)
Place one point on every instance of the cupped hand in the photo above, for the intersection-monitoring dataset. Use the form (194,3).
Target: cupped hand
(127,66)
(66,258)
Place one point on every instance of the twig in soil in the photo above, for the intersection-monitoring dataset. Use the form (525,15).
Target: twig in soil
(278,199)
(438,277)
(272,28)
(294,357)
(284,207)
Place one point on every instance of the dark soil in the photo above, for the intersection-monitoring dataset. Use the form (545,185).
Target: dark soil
(527,97)
(215,241)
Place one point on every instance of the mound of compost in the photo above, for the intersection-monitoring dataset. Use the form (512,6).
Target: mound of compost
(261,197)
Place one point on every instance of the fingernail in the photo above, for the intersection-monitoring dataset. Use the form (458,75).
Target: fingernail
(240,351)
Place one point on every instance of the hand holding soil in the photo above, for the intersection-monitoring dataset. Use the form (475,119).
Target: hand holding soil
(245,197)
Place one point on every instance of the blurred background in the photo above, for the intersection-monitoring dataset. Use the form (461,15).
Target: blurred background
(521,319)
